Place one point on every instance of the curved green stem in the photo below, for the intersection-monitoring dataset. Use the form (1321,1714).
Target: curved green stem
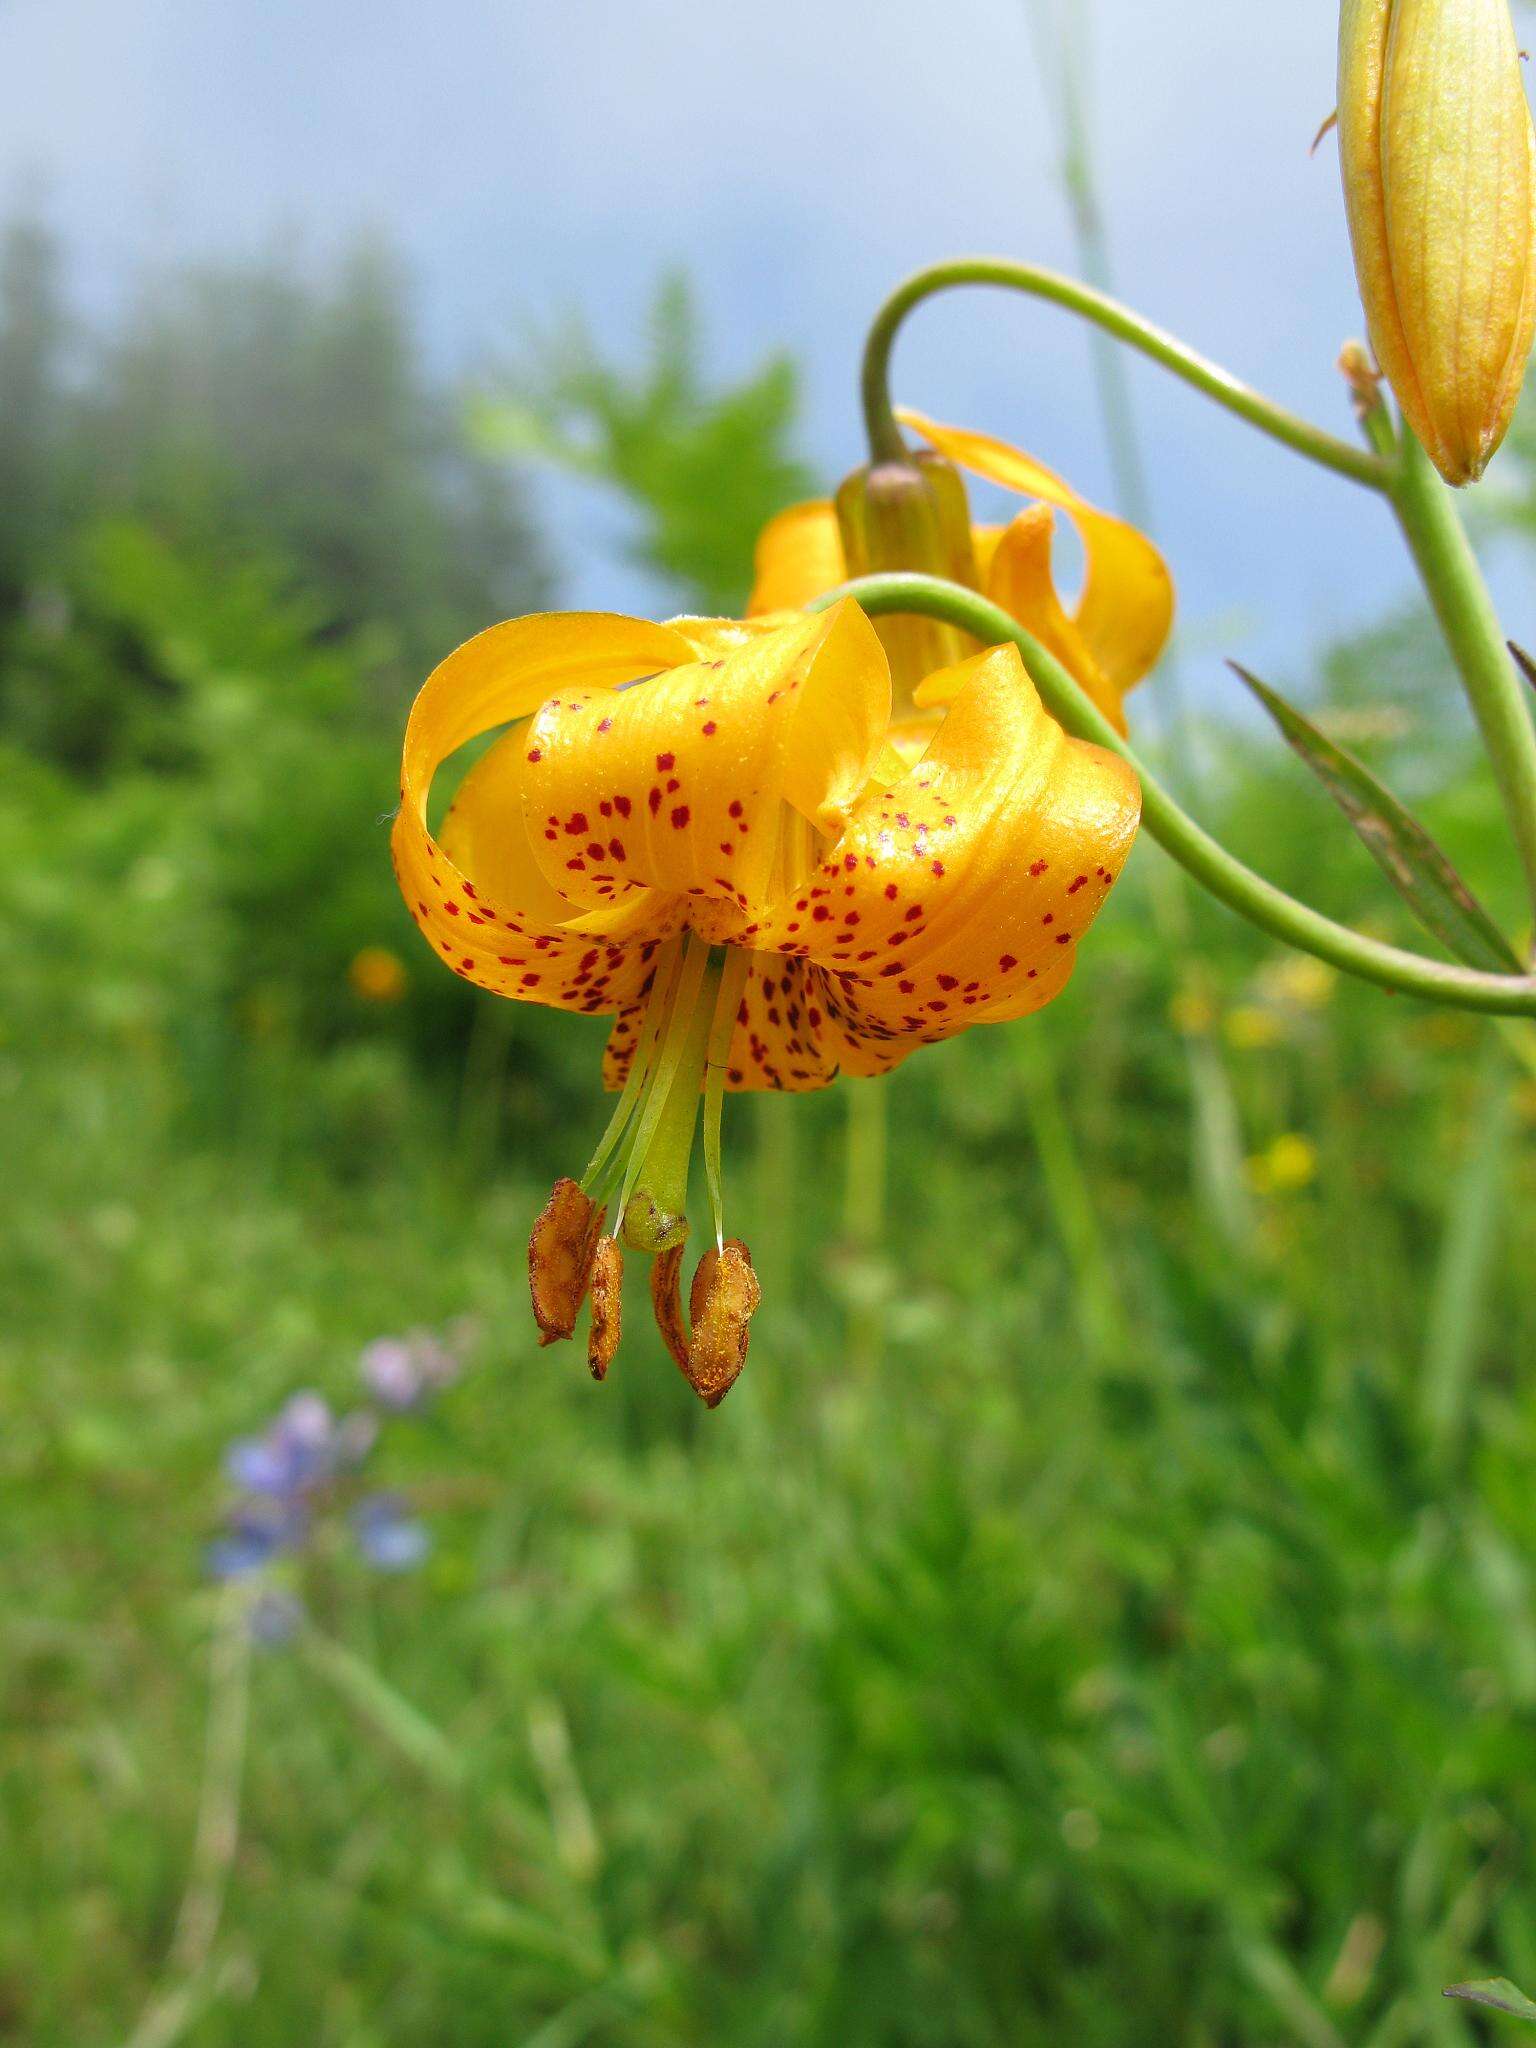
(1426,511)
(1216,870)
(885,440)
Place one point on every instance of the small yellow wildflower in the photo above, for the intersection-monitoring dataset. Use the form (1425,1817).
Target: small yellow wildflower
(377,975)
(1287,1166)
(1251,1028)
(1191,1011)
(1299,981)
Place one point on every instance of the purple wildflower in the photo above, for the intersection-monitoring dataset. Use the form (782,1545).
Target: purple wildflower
(274,1619)
(391,1539)
(300,1472)
(402,1372)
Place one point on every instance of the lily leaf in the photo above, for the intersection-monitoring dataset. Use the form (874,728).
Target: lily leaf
(1409,858)
(1497,1992)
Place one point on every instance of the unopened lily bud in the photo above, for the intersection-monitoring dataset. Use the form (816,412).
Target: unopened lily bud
(910,515)
(1440,188)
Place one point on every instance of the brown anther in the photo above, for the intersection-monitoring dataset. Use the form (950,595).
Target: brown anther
(607,1316)
(722,1302)
(667,1301)
(560,1255)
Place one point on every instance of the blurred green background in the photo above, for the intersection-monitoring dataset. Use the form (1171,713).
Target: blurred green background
(1103,1612)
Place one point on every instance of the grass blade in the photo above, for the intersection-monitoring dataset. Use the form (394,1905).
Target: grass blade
(1404,851)
(1497,1992)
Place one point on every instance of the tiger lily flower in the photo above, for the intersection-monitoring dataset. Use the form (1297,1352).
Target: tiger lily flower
(701,830)
(1108,640)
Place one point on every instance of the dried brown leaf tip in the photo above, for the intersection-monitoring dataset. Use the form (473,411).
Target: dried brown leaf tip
(607,1317)
(724,1298)
(560,1255)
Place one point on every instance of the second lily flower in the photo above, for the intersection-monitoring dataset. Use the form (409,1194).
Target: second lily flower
(913,516)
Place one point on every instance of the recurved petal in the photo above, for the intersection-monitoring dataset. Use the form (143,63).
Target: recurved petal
(685,783)
(511,669)
(484,833)
(711,637)
(957,895)
(1020,579)
(799,555)
(479,897)
(1125,611)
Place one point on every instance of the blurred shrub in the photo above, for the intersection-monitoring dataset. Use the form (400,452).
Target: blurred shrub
(704,469)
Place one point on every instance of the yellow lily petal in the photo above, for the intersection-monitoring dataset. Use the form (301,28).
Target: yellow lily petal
(1126,609)
(799,555)
(515,948)
(484,835)
(685,784)
(1019,578)
(709,637)
(957,895)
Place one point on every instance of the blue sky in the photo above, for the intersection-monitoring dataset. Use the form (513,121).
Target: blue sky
(797,158)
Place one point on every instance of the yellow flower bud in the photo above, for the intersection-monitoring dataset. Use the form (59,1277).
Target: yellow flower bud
(1440,188)
(910,515)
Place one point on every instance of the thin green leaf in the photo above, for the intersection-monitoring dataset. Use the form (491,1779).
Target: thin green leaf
(1407,856)
(1497,1992)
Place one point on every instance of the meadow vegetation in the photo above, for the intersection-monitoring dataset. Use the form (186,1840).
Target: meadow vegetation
(1103,1613)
